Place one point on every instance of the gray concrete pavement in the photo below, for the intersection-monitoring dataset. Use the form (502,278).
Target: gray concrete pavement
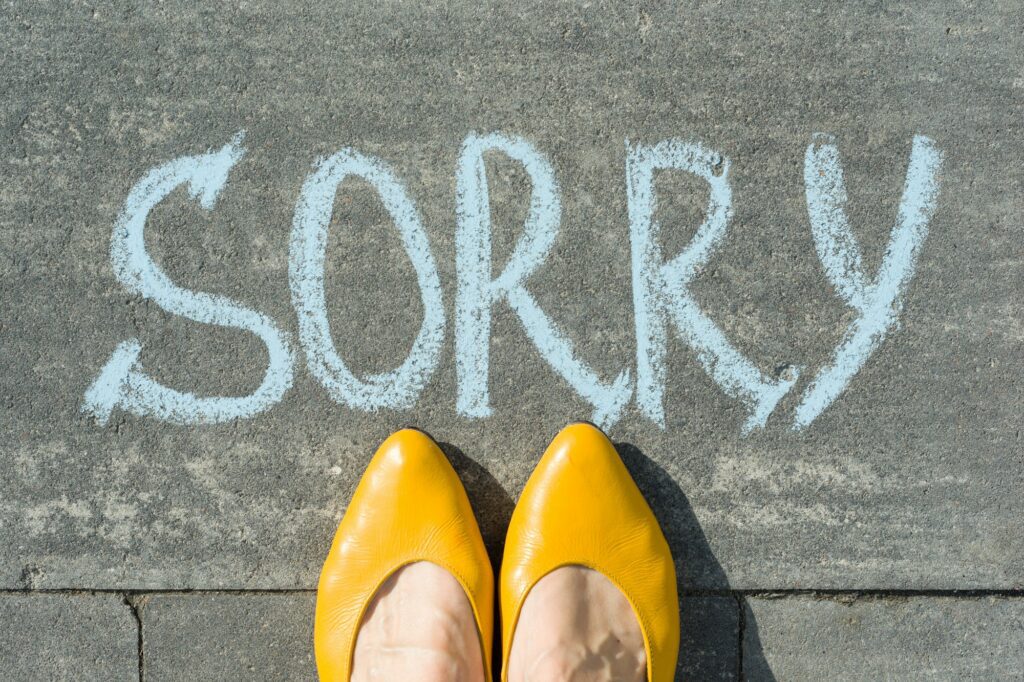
(915,638)
(267,637)
(222,637)
(908,480)
(68,637)
(709,643)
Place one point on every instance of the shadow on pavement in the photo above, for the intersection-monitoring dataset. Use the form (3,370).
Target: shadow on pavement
(710,649)
(756,666)
(493,508)
(491,503)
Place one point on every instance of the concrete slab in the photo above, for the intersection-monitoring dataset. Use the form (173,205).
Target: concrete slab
(910,479)
(269,636)
(67,637)
(221,637)
(709,642)
(916,638)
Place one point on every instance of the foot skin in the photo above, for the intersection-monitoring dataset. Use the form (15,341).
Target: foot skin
(419,626)
(576,626)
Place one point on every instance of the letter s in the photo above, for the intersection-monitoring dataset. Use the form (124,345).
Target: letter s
(121,382)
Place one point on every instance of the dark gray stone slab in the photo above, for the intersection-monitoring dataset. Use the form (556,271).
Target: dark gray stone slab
(910,479)
(222,637)
(917,638)
(67,637)
(709,642)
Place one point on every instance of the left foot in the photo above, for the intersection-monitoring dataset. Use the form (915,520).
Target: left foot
(419,626)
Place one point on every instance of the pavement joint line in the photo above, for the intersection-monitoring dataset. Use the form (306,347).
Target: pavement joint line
(763,593)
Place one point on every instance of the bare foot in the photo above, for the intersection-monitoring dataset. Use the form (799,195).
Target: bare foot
(419,626)
(576,626)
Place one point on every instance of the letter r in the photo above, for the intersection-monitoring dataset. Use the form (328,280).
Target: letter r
(660,288)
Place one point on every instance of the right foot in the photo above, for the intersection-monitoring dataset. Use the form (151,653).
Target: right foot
(576,626)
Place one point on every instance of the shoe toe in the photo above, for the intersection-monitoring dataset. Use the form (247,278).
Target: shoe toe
(409,506)
(581,507)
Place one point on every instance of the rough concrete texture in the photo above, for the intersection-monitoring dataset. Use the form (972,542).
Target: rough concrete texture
(916,638)
(911,479)
(68,637)
(709,641)
(223,637)
(264,636)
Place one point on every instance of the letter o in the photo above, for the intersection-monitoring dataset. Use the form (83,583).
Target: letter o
(399,388)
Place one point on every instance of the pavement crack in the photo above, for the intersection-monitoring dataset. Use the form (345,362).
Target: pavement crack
(135,602)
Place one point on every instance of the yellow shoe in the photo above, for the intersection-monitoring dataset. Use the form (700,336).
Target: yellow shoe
(582,508)
(410,506)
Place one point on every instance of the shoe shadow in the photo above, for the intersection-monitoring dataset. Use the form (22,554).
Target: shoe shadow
(493,508)
(491,502)
(756,667)
(719,638)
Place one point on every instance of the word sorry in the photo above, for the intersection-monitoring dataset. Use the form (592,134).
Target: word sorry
(660,285)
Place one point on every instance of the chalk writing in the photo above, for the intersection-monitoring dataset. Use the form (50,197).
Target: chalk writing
(121,382)
(879,302)
(661,297)
(660,287)
(477,292)
(395,389)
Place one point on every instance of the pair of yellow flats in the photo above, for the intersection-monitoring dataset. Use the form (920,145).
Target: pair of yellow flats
(579,508)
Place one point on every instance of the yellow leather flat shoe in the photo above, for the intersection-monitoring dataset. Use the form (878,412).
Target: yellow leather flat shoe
(409,506)
(582,508)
